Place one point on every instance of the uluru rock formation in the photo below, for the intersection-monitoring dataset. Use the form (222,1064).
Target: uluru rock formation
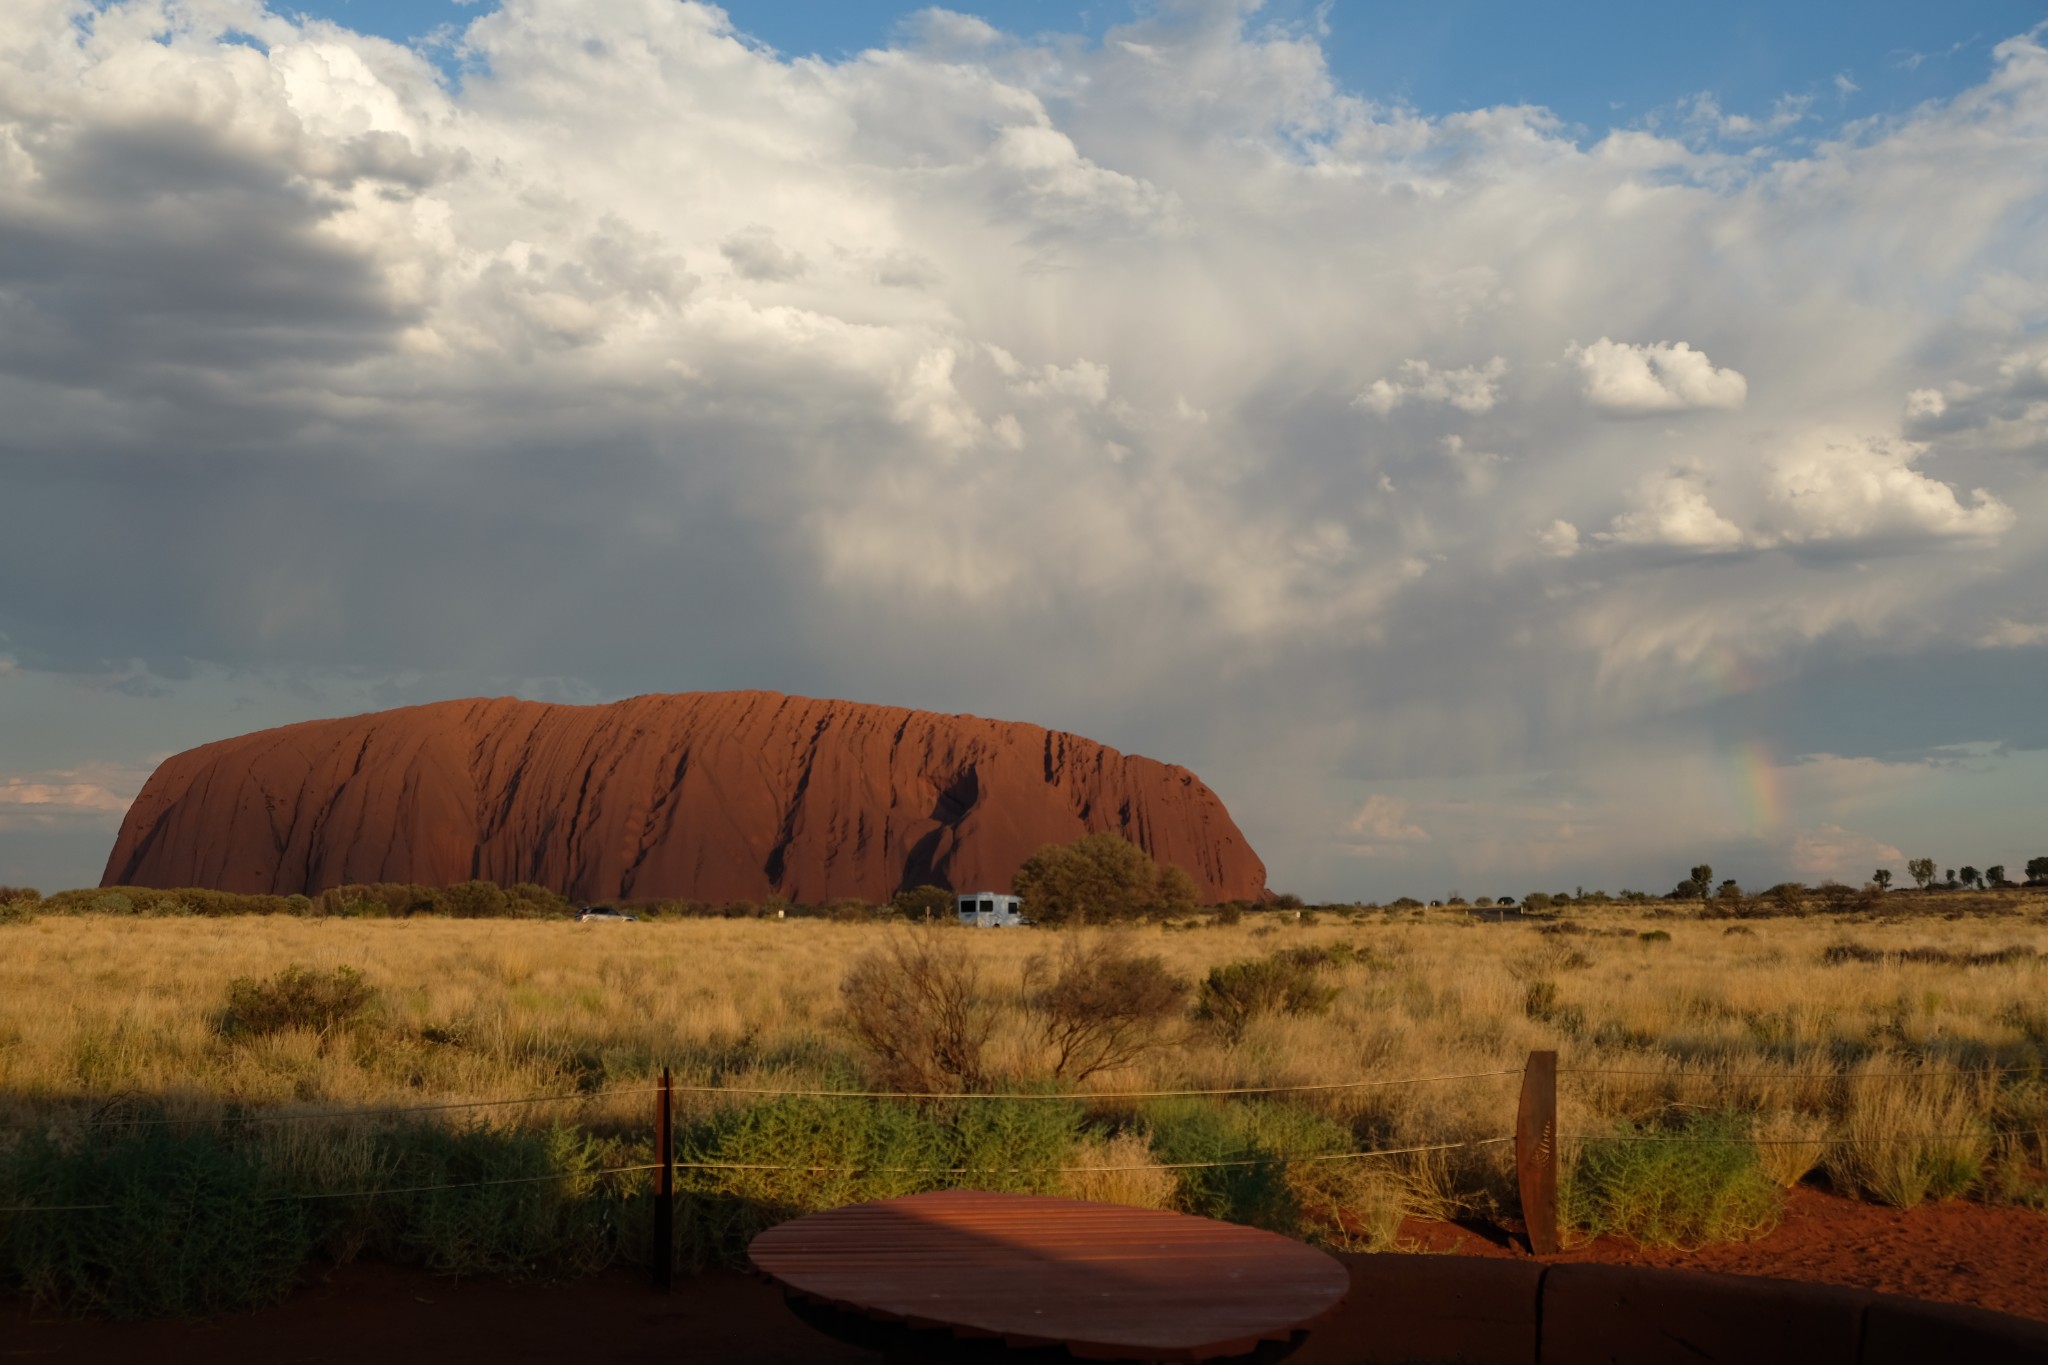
(705,796)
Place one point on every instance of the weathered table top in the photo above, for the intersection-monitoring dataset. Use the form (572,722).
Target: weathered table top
(1102,1280)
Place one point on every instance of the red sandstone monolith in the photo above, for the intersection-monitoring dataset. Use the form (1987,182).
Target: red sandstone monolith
(709,796)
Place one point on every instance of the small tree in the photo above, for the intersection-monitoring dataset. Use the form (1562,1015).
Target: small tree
(923,904)
(1949,877)
(1703,878)
(1883,878)
(1971,877)
(1101,879)
(1995,874)
(1174,893)
(1921,870)
(2037,869)
(1098,1005)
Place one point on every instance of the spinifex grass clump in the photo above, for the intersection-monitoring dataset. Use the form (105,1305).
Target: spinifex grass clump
(1684,1186)
(155,1223)
(1911,1133)
(170,1221)
(1236,1158)
(516,1205)
(745,1169)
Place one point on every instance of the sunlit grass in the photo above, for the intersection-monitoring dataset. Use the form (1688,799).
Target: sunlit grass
(1814,1059)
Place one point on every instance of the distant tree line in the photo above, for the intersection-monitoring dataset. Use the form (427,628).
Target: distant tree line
(1098,879)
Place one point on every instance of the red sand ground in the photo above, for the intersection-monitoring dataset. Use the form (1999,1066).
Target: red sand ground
(1958,1253)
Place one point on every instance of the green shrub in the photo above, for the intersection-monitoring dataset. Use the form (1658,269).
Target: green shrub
(18,904)
(296,998)
(923,904)
(850,1151)
(194,1227)
(473,900)
(1688,1186)
(503,1218)
(1259,1137)
(1102,878)
(1235,994)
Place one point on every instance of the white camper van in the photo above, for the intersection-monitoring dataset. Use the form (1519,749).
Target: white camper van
(991,909)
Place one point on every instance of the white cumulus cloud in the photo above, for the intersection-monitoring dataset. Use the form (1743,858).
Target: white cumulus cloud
(1623,380)
(1851,489)
(1671,509)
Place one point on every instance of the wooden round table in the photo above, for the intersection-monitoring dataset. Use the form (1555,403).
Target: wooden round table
(932,1275)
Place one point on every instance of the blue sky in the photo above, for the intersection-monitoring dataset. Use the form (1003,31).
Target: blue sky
(1595,63)
(1480,498)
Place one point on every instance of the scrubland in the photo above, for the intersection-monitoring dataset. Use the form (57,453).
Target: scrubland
(1707,1064)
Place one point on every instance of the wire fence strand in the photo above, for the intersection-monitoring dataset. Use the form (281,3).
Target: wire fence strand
(823,1170)
(1087,1170)
(797,1092)
(1069,1097)
(158,1121)
(1984,1133)
(1969,1072)
(368,1194)
(1084,1096)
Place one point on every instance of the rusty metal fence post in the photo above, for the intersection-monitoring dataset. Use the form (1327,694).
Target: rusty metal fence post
(1536,1151)
(664,1185)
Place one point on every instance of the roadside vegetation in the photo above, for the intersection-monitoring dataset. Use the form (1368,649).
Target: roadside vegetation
(1713,1058)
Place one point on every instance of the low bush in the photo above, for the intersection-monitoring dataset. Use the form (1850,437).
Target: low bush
(1255,1141)
(158,1223)
(1098,1005)
(916,1007)
(1688,1186)
(1235,994)
(296,998)
(850,1151)
(463,900)
(482,1202)
(1837,954)
(153,1222)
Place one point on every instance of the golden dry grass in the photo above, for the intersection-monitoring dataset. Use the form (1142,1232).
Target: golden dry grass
(93,1009)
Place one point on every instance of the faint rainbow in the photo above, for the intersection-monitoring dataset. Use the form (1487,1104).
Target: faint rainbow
(1756,779)
(1758,786)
